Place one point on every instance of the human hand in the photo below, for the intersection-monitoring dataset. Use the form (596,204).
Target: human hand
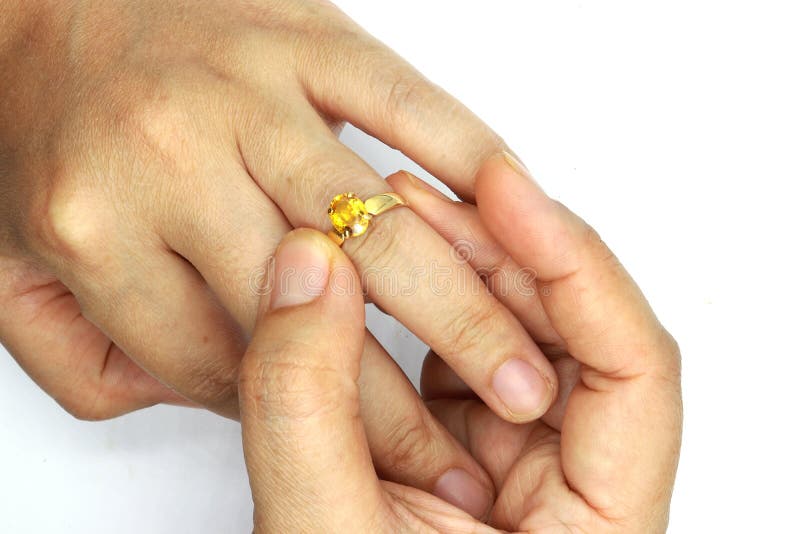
(303,433)
(153,153)
(603,459)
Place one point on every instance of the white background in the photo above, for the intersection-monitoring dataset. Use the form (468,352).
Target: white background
(673,127)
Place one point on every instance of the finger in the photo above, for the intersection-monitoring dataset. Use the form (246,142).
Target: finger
(496,444)
(225,229)
(439,381)
(513,285)
(304,439)
(465,324)
(408,445)
(67,356)
(592,302)
(158,310)
(630,385)
(460,224)
(524,461)
(369,85)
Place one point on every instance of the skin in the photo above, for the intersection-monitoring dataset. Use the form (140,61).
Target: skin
(605,462)
(152,154)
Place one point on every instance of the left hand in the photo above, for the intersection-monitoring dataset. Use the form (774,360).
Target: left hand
(153,153)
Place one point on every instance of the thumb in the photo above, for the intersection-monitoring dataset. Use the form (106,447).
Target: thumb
(304,443)
(621,432)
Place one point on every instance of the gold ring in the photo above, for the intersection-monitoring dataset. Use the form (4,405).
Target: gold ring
(350,215)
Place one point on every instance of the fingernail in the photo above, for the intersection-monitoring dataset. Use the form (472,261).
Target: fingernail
(460,489)
(425,186)
(517,166)
(302,269)
(521,388)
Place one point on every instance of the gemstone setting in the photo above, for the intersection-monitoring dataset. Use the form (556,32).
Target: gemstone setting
(348,215)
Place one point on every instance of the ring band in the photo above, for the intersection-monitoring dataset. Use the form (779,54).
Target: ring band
(350,215)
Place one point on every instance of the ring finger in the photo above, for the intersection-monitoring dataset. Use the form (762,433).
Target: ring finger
(478,336)
(229,242)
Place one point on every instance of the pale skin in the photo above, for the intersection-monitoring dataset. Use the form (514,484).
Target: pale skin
(604,462)
(152,154)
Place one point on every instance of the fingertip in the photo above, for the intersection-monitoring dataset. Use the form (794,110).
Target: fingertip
(463,490)
(505,171)
(453,220)
(526,391)
(302,266)
(413,188)
(309,269)
(399,182)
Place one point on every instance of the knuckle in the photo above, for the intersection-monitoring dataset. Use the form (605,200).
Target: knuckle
(671,345)
(78,410)
(402,99)
(502,275)
(302,176)
(408,94)
(158,124)
(589,239)
(672,356)
(406,90)
(275,122)
(81,413)
(320,18)
(89,405)
(281,386)
(212,386)
(297,16)
(68,220)
(468,326)
(410,444)
(594,243)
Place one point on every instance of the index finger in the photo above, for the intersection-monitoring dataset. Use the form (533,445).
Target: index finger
(369,85)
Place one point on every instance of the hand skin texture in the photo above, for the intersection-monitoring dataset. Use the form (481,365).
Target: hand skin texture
(153,153)
(605,462)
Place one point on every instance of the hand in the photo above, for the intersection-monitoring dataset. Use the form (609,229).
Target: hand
(155,152)
(152,154)
(605,463)
(603,459)
(304,439)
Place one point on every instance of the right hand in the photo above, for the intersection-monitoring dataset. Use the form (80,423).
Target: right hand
(153,153)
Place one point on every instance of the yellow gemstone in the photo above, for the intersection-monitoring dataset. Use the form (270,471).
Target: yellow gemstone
(348,215)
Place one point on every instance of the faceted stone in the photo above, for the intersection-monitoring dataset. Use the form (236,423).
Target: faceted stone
(348,215)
